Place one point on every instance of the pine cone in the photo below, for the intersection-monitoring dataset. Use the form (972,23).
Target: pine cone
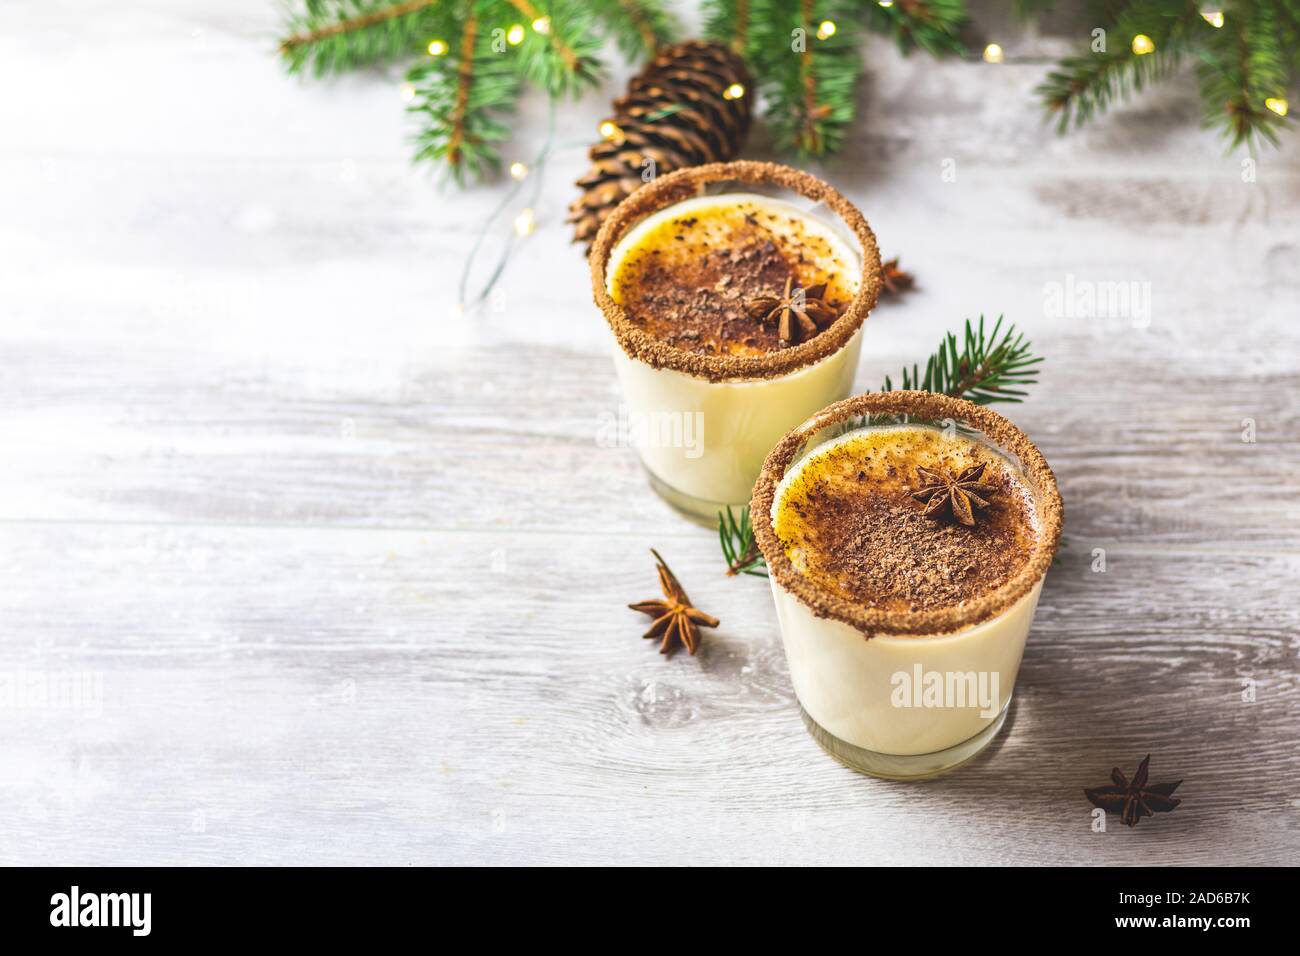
(675,113)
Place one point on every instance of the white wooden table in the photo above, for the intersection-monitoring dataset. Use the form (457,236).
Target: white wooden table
(351,570)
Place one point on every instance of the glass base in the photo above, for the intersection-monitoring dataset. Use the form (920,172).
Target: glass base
(903,766)
(699,510)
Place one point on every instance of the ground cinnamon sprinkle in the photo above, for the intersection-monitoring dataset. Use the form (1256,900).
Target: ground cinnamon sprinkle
(692,182)
(1032,473)
(690,281)
(851,522)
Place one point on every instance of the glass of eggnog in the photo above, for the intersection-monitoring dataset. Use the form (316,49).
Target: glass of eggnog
(736,294)
(907,536)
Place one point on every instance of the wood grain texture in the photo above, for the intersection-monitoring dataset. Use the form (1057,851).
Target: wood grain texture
(350,570)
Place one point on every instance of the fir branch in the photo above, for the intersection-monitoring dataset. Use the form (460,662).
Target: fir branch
(464,83)
(563,58)
(807,81)
(736,535)
(979,372)
(638,27)
(460,97)
(728,21)
(931,25)
(331,36)
(1082,86)
(1242,66)
(988,368)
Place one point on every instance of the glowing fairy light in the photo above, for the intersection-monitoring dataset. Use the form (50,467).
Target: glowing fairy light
(524,223)
(826,30)
(518,171)
(1213,17)
(515,35)
(993,53)
(1143,44)
(734,92)
(542,25)
(1277,105)
(437,47)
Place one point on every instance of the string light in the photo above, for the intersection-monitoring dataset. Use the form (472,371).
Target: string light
(1143,44)
(408,92)
(611,130)
(993,53)
(1213,17)
(542,24)
(886,3)
(518,171)
(1277,105)
(515,35)
(524,223)
(826,30)
(734,92)
(437,47)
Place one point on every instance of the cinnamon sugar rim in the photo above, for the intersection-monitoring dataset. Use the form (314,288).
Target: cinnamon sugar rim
(941,621)
(687,183)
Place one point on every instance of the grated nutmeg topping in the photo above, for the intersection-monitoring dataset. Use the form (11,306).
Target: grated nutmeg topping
(703,356)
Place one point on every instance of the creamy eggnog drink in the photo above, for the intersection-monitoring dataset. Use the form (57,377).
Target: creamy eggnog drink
(907,535)
(736,314)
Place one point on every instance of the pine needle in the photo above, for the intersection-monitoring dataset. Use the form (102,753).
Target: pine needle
(989,368)
(736,535)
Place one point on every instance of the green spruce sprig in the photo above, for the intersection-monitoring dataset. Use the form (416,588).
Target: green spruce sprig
(806,56)
(1245,66)
(736,535)
(1244,51)
(932,27)
(988,368)
(334,36)
(462,97)
(564,59)
(638,27)
(808,78)
(469,59)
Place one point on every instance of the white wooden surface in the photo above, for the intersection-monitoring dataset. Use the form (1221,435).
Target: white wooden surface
(352,571)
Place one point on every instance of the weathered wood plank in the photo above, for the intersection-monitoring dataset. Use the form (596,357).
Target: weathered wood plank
(441,697)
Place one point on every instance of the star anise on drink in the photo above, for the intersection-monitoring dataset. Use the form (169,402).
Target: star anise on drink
(798,314)
(676,620)
(894,281)
(1136,798)
(960,495)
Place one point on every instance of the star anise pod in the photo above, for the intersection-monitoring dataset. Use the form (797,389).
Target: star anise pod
(1134,799)
(799,314)
(960,495)
(894,280)
(675,619)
